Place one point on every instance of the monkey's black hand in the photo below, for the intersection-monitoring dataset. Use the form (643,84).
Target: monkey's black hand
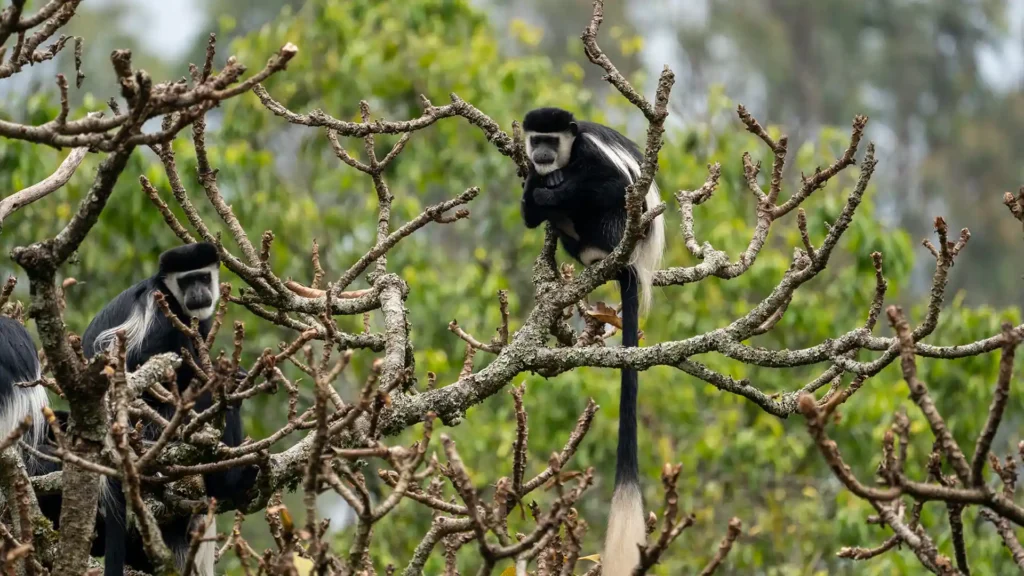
(554,179)
(545,197)
(240,374)
(532,215)
(248,478)
(233,484)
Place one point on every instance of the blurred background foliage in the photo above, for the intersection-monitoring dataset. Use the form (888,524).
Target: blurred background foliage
(946,139)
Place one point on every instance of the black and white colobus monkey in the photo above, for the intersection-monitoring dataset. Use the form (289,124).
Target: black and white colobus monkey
(577,181)
(19,364)
(188,276)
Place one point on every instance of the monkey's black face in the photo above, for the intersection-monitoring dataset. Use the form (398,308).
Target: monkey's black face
(549,151)
(545,150)
(195,290)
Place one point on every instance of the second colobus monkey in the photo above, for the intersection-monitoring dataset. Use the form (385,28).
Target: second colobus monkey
(577,181)
(188,276)
(19,364)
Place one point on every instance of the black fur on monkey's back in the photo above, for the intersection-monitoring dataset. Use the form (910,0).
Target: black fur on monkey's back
(19,364)
(18,360)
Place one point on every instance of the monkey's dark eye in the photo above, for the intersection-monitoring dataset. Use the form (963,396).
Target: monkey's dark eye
(543,140)
(198,277)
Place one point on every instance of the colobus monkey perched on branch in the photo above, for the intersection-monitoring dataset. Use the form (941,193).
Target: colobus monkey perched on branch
(578,176)
(188,277)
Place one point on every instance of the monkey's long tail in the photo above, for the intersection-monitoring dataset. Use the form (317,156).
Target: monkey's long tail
(115,524)
(626,528)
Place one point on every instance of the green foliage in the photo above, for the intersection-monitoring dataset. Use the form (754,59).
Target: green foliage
(737,460)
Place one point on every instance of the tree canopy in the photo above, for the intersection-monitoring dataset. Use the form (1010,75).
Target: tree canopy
(736,458)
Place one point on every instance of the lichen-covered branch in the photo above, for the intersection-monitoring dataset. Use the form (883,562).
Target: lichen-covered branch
(329,442)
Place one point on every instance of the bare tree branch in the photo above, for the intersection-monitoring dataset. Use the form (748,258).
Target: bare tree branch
(41,189)
(329,442)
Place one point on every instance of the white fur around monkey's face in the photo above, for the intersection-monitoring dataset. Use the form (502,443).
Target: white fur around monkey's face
(549,151)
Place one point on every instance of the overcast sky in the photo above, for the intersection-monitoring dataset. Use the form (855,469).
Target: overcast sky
(163,26)
(167,27)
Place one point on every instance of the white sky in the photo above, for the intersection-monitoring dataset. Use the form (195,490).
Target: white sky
(164,26)
(167,27)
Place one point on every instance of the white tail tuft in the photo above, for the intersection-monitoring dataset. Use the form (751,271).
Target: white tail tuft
(626,531)
(108,500)
(207,553)
(646,257)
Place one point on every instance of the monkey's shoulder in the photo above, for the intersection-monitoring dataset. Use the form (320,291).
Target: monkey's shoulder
(118,309)
(14,333)
(133,293)
(593,172)
(609,136)
(18,360)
